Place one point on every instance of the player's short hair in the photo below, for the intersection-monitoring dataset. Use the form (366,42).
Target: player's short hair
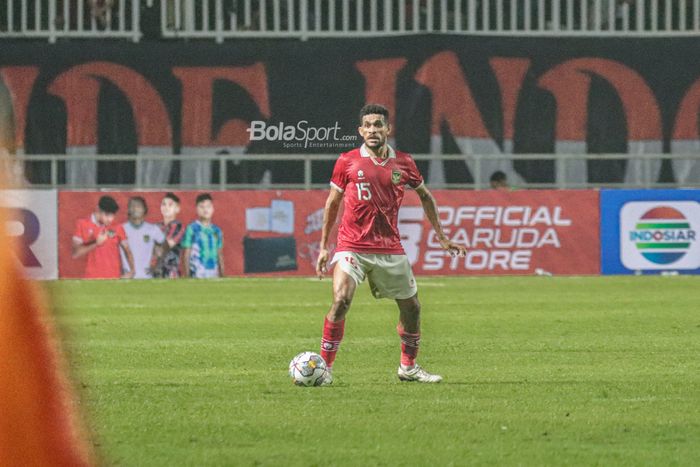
(108,204)
(139,199)
(371,109)
(203,197)
(172,196)
(498,177)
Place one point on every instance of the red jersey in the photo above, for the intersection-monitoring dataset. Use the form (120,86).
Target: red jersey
(374,189)
(104,261)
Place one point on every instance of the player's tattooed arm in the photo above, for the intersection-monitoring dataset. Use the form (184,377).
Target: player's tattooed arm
(430,208)
(330,213)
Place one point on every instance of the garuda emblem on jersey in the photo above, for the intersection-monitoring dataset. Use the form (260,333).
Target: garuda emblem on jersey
(395,177)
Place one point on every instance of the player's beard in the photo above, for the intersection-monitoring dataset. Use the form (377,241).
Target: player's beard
(376,144)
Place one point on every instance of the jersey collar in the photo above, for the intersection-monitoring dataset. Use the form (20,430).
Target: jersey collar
(364,152)
(93,218)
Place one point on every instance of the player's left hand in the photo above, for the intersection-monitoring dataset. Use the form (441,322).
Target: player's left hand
(454,248)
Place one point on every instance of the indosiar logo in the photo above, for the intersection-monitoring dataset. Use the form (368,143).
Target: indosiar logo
(660,235)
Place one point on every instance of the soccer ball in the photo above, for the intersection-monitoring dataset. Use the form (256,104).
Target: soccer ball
(307,369)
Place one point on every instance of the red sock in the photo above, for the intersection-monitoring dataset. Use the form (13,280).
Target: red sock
(409,346)
(332,335)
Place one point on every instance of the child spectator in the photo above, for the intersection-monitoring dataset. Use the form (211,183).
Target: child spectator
(203,243)
(499,181)
(142,237)
(167,256)
(96,238)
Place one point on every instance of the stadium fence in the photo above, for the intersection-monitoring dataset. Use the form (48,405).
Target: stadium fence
(304,19)
(308,170)
(347,18)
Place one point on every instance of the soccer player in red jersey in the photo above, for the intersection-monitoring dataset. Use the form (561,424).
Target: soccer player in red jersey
(370,181)
(100,241)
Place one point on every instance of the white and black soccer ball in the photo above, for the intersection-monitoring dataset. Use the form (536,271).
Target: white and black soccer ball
(307,369)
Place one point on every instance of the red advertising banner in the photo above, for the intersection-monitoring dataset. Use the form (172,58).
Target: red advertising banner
(278,232)
(243,216)
(507,232)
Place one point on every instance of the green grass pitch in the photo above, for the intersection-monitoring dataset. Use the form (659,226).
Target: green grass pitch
(538,371)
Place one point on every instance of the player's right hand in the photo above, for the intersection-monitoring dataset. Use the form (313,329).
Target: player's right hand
(101,237)
(321,263)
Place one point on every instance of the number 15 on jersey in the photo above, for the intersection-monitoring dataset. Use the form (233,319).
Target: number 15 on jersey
(363,191)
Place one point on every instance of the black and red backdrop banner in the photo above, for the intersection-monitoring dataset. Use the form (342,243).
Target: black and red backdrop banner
(447,94)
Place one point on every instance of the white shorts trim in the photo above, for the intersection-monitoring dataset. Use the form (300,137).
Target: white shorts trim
(389,276)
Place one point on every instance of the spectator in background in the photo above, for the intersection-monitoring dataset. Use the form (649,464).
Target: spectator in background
(101,11)
(203,243)
(96,238)
(167,255)
(499,181)
(142,237)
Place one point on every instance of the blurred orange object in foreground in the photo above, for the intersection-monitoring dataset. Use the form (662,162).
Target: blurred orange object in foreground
(38,424)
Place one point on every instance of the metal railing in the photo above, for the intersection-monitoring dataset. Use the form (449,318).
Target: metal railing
(303,19)
(220,19)
(53,19)
(311,175)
